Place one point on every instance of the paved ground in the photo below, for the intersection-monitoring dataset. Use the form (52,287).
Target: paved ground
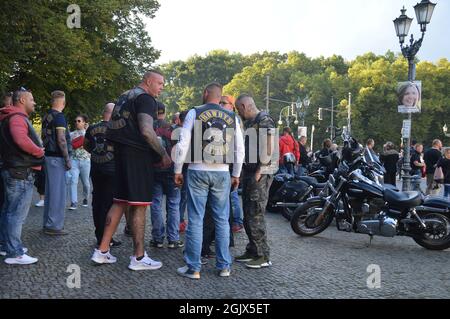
(331,265)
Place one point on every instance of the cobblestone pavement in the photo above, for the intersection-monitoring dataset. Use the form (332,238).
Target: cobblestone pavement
(330,265)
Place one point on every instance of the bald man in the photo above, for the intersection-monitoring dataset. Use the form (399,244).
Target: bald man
(257,178)
(102,171)
(206,131)
(136,150)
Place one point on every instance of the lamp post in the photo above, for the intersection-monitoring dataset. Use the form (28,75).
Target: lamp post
(302,107)
(424,11)
(445,130)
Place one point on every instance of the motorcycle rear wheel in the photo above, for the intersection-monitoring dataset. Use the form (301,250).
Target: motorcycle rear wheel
(305,211)
(439,237)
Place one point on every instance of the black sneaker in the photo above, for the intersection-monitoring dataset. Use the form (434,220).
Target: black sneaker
(204,260)
(73,206)
(85,202)
(156,244)
(175,244)
(115,243)
(54,232)
(244,258)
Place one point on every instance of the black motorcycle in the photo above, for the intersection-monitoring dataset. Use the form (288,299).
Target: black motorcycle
(373,209)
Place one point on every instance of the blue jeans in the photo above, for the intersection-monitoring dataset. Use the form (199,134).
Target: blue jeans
(83,168)
(236,208)
(447,191)
(164,185)
(214,188)
(18,196)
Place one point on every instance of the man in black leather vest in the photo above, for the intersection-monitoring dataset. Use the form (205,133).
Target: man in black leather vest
(102,172)
(136,150)
(215,141)
(22,153)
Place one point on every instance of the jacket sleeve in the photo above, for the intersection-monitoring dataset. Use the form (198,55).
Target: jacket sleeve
(18,128)
(296,150)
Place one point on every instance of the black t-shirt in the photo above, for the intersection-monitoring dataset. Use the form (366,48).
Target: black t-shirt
(415,157)
(431,158)
(58,122)
(147,105)
(304,158)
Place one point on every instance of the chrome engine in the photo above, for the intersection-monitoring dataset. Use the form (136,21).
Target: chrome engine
(383,226)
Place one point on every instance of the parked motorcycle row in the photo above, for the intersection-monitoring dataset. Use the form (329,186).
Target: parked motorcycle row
(354,195)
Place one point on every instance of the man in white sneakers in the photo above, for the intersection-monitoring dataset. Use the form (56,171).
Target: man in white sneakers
(136,149)
(22,154)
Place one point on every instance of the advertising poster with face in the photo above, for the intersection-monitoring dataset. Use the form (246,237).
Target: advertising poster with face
(409,97)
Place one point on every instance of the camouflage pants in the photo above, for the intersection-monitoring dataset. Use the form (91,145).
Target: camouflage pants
(254,197)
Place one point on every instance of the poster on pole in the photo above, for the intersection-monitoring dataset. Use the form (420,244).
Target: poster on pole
(409,97)
(406,130)
(302,131)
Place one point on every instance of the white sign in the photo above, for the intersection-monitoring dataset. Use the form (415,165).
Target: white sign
(302,131)
(406,130)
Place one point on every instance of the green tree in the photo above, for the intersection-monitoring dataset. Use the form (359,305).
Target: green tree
(92,64)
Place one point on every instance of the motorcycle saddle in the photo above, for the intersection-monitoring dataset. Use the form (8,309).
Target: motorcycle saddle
(437,202)
(402,199)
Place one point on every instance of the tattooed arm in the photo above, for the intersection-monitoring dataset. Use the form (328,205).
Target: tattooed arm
(62,143)
(145,122)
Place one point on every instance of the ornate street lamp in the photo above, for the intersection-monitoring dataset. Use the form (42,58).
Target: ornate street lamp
(445,130)
(424,11)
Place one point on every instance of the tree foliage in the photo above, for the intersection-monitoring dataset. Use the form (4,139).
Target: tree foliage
(92,64)
(372,80)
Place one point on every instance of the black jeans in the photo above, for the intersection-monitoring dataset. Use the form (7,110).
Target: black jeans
(39,181)
(209,231)
(2,192)
(102,200)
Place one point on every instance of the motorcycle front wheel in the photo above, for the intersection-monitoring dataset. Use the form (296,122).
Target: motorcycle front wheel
(303,220)
(437,234)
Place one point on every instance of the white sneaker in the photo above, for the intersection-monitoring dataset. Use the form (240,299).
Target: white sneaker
(3,253)
(41,203)
(103,258)
(145,263)
(225,273)
(21,260)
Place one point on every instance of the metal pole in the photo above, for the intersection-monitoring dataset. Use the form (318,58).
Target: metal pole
(407,150)
(268,95)
(332,117)
(312,138)
(349,118)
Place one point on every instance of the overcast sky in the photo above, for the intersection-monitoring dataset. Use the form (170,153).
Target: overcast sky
(349,28)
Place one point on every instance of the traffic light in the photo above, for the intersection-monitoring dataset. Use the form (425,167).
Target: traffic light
(319,114)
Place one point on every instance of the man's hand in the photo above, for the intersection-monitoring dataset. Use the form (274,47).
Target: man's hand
(68,164)
(258,175)
(178,180)
(234,183)
(166,162)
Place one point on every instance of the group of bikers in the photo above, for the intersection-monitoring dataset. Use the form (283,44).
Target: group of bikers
(136,158)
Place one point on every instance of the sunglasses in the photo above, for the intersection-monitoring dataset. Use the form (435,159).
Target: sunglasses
(224,103)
